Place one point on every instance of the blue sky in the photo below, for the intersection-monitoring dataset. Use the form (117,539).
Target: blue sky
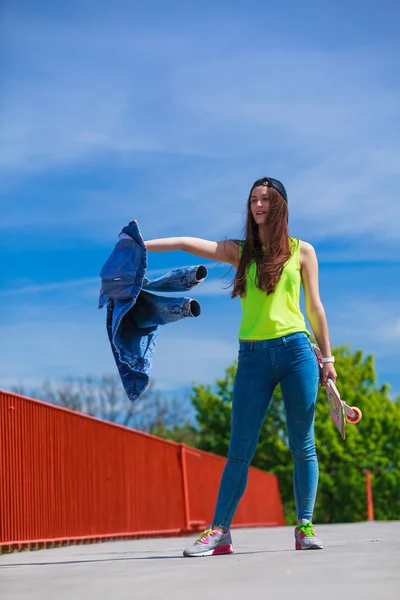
(166,113)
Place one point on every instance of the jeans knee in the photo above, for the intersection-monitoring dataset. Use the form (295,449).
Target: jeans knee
(238,458)
(303,454)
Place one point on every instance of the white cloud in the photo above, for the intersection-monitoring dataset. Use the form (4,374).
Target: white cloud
(51,287)
(210,287)
(41,346)
(313,104)
(372,325)
(181,360)
(53,348)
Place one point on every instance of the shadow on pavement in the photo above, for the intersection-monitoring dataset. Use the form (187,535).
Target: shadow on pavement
(130,558)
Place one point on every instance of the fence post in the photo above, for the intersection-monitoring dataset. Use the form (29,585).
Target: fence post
(370,502)
(185,486)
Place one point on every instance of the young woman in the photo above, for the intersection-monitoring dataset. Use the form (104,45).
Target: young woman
(274,348)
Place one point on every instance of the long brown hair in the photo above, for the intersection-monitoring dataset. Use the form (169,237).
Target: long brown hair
(270,261)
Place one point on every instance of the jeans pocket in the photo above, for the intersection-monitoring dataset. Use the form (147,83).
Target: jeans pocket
(300,341)
(246,367)
(242,355)
(299,350)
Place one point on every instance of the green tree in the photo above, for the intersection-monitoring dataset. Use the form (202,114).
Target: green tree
(186,433)
(374,444)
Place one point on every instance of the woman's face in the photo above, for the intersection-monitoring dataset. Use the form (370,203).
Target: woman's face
(259,204)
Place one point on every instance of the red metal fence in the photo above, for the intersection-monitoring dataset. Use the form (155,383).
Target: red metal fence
(67,477)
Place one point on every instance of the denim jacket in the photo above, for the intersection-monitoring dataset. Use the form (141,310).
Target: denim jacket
(134,312)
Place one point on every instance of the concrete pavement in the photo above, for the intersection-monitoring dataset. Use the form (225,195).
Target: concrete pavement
(359,561)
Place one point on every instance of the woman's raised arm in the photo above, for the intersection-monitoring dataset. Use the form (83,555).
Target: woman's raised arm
(224,251)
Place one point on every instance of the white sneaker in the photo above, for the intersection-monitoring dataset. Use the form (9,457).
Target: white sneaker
(211,543)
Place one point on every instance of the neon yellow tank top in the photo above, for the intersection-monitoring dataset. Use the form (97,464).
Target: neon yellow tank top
(271,316)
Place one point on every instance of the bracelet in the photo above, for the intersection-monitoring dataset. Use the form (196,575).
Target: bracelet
(329,359)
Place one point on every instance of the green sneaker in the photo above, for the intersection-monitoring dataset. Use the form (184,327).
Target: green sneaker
(305,537)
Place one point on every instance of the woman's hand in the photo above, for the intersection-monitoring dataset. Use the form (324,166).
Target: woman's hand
(328,372)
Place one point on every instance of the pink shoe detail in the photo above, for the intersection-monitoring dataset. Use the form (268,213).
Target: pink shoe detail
(228,549)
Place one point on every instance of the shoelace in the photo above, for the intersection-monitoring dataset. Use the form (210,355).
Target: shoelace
(307,528)
(204,535)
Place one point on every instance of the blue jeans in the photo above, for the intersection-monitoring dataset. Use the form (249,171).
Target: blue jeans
(290,361)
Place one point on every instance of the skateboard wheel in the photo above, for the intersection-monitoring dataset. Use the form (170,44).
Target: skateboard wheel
(355,419)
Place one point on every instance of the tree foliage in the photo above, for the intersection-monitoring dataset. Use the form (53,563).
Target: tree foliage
(373,444)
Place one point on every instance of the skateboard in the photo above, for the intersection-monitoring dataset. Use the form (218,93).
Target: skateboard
(339,410)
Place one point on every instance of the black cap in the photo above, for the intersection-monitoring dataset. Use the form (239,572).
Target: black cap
(271,182)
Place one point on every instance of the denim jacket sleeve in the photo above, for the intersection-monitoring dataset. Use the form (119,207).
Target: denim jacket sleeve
(177,280)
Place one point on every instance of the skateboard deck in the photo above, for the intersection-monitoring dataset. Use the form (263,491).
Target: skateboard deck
(341,413)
